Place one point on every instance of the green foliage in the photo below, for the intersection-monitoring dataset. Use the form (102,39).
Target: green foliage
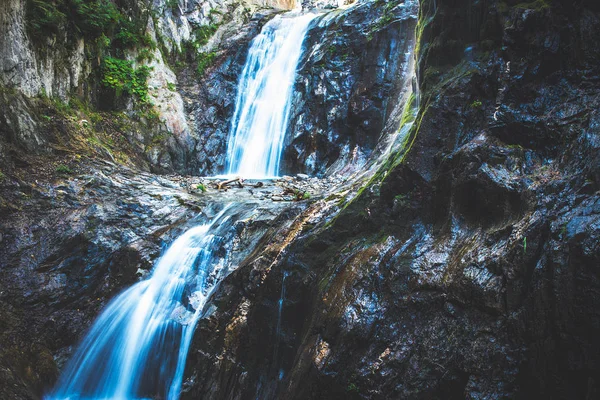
(301,195)
(63,169)
(476,104)
(2,176)
(352,388)
(172,4)
(536,5)
(121,76)
(201,187)
(94,18)
(171,86)
(103,42)
(44,17)
(145,54)
(61,107)
(204,60)
(204,33)
(525,245)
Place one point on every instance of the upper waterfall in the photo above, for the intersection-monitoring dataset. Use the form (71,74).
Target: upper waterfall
(264,97)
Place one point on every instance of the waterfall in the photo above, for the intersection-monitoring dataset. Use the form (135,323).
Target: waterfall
(264,98)
(138,346)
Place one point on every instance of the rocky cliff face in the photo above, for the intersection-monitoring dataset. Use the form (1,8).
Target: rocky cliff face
(465,265)
(358,67)
(466,268)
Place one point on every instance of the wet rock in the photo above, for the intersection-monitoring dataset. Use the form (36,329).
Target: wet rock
(348,85)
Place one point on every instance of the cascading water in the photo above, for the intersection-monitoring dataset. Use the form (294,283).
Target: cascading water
(138,346)
(264,98)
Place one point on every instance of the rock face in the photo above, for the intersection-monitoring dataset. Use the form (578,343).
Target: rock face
(55,70)
(357,68)
(343,95)
(468,268)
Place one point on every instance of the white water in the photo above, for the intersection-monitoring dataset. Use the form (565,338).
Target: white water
(138,346)
(264,98)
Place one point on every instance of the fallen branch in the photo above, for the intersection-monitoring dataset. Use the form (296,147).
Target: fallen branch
(224,184)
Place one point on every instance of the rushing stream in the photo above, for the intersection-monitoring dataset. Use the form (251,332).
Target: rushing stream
(138,346)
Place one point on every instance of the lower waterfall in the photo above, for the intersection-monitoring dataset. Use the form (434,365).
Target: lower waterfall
(138,346)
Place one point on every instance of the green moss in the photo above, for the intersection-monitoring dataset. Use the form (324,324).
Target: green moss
(171,86)
(476,104)
(352,388)
(201,187)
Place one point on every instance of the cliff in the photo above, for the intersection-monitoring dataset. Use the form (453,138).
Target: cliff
(451,250)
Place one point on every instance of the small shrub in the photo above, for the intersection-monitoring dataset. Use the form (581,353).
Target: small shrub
(120,75)
(205,60)
(204,33)
(173,5)
(201,187)
(352,388)
(476,104)
(63,169)
(44,17)
(171,86)
(96,17)
(145,54)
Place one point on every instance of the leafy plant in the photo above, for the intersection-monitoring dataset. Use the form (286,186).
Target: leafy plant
(94,18)
(63,169)
(145,54)
(352,388)
(44,17)
(476,104)
(172,4)
(204,33)
(204,60)
(201,187)
(120,75)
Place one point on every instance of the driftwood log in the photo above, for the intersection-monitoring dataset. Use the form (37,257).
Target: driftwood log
(223,185)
